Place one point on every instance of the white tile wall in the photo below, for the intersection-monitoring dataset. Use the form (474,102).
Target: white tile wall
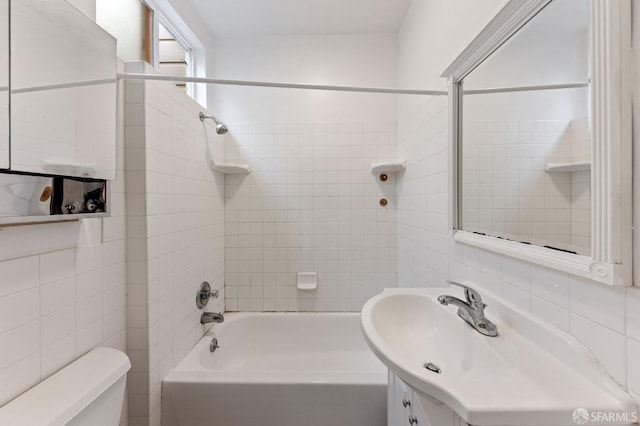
(175,216)
(507,192)
(311,204)
(57,305)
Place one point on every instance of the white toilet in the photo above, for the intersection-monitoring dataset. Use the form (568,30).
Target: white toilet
(87,392)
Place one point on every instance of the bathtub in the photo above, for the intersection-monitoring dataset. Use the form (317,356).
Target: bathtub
(278,369)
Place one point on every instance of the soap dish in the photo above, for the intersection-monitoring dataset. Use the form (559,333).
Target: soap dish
(307,280)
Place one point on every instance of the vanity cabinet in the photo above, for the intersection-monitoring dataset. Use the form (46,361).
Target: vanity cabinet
(62,92)
(406,407)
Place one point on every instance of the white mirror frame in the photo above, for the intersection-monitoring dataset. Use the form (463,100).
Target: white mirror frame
(611,172)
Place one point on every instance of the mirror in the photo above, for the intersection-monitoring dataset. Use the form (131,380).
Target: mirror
(4,84)
(525,169)
(63,92)
(540,133)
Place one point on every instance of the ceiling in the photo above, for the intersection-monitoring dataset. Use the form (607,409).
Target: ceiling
(233,18)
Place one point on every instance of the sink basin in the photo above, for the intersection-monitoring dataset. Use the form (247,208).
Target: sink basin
(531,374)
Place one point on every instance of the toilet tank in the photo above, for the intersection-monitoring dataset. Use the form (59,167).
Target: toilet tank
(87,392)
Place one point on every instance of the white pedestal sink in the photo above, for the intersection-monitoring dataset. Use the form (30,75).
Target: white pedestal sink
(531,374)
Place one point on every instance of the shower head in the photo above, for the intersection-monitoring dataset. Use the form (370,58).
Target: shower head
(221,129)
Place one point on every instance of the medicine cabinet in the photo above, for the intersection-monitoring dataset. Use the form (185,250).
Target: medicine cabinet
(539,147)
(62,91)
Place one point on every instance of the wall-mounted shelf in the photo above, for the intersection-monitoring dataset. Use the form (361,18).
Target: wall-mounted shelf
(575,166)
(231,168)
(388,167)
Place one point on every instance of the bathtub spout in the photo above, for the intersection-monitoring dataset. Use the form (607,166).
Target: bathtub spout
(208,317)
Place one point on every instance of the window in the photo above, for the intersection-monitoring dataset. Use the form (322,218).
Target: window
(174,58)
(157,36)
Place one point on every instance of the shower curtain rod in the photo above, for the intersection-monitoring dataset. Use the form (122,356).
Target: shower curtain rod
(136,76)
(525,88)
(64,85)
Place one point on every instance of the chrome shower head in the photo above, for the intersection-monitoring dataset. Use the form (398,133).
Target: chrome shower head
(221,128)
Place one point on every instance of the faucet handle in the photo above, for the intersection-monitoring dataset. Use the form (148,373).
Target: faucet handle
(472,296)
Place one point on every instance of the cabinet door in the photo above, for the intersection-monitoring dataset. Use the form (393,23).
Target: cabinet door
(63,91)
(399,408)
(4,84)
(408,408)
(430,412)
(460,422)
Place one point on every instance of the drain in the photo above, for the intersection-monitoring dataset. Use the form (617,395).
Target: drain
(432,367)
(213,345)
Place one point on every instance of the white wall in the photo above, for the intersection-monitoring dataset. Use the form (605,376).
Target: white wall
(124,20)
(311,203)
(175,239)
(88,7)
(359,60)
(605,319)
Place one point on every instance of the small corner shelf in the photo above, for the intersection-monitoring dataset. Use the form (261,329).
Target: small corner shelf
(231,168)
(388,167)
(575,166)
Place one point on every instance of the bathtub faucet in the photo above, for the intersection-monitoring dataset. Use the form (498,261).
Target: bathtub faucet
(208,317)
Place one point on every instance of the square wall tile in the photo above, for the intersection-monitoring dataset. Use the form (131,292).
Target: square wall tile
(56,266)
(19,274)
(550,285)
(633,365)
(600,303)
(19,377)
(516,273)
(551,313)
(608,346)
(633,312)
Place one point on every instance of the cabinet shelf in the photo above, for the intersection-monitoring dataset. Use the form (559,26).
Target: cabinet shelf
(575,166)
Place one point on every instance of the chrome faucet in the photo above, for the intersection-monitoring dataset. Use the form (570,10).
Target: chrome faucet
(472,311)
(208,317)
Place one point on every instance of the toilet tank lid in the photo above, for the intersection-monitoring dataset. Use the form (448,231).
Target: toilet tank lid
(60,397)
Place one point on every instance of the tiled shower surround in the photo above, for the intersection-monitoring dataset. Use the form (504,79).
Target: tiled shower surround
(310,204)
(507,192)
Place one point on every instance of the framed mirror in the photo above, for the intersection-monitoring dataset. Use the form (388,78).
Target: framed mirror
(541,137)
(4,84)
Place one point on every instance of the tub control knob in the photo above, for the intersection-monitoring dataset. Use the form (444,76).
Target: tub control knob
(413,420)
(203,295)
(406,403)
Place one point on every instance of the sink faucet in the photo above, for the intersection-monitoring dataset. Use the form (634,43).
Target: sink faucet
(208,317)
(472,311)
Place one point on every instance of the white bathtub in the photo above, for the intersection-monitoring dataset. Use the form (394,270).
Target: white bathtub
(278,369)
